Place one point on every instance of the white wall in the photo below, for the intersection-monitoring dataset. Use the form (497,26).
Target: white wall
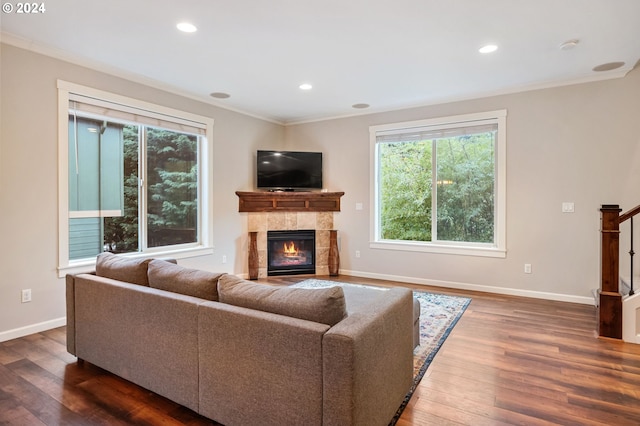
(578,143)
(28,181)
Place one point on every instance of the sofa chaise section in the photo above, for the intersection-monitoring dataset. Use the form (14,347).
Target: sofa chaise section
(271,369)
(259,367)
(368,361)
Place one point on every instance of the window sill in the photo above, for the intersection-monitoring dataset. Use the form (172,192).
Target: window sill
(439,248)
(85,266)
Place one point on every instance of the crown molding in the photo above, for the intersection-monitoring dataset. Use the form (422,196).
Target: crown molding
(65,56)
(587,78)
(137,78)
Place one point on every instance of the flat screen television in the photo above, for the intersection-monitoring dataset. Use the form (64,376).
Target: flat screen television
(289,170)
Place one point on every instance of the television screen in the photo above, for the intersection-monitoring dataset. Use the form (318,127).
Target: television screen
(289,170)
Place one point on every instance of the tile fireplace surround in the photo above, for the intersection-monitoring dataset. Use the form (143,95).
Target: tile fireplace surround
(322,222)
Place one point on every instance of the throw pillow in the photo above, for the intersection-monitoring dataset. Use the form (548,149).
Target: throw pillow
(119,268)
(324,305)
(164,275)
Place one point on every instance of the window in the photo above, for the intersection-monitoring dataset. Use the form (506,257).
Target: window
(133,177)
(439,185)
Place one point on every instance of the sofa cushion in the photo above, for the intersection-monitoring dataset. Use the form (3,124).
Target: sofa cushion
(164,275)
(119,268)
(322,305)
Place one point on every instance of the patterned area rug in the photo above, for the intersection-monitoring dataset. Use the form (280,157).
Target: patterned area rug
(438,315)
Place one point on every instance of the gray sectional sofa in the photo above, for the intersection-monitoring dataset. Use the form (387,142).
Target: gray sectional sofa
(243,353)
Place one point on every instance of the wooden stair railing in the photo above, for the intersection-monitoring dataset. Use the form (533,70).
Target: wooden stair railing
(610,299)
(628,215)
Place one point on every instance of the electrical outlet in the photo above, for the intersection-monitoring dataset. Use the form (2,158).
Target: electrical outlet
(26,295)
(527,268)
(357,253)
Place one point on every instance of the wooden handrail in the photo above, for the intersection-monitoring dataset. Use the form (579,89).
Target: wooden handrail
(634,211)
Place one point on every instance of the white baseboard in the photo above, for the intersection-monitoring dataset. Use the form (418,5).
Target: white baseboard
(31,329)
(475,287)
(59,322)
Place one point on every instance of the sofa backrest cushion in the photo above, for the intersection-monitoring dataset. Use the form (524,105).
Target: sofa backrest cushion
(321,305)
(167,276)
(134,271)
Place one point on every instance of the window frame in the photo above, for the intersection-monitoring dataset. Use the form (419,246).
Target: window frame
(498,247)
(204,244)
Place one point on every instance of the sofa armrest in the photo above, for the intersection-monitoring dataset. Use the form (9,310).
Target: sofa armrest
(71,311)
(71,314)
(368,362)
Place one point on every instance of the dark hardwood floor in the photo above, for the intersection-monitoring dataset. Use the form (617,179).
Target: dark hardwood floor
(510,360)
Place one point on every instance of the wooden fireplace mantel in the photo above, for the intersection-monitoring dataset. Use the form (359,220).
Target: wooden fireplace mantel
(289,201)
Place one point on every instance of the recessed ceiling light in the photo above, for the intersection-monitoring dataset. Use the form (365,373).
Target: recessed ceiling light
(608,66)
(488,48)
(220,95)
(186,27)
(306,86)
(360,106)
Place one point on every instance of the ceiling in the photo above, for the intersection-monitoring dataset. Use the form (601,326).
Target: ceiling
(387,54)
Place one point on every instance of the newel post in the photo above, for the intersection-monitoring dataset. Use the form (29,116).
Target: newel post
(610,304)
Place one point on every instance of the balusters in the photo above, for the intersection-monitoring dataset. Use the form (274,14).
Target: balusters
(631,253)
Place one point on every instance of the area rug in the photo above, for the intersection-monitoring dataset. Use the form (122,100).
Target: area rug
(438,315)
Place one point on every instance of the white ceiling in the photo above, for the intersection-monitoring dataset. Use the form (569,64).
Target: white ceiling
(390,54)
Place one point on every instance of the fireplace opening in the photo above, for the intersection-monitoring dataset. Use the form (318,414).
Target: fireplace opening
(291,252)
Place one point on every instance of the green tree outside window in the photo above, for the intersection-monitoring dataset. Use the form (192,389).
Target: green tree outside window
(437,188)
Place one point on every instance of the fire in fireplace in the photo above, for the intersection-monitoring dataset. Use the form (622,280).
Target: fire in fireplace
(291,252)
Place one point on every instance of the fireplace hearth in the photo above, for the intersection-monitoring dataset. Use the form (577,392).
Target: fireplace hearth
(291,252)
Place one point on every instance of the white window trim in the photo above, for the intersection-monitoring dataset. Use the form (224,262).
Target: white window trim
(205,217)
(498,249)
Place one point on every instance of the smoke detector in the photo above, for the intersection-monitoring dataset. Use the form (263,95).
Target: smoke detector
(569,44)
